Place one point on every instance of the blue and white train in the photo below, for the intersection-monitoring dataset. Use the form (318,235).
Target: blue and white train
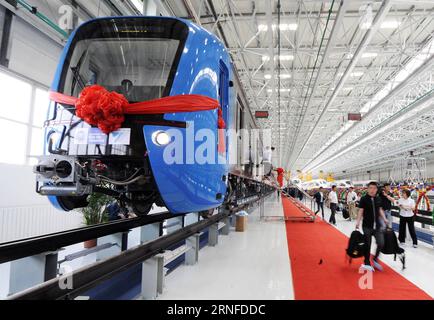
(145,58)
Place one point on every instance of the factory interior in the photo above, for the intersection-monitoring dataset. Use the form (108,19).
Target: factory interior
(217,150)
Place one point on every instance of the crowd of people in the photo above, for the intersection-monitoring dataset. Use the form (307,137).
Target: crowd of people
(371,210)
(373,213)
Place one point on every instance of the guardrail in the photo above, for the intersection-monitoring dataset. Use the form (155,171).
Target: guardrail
(307,199)
(90,276)
(424,217)
(41,252)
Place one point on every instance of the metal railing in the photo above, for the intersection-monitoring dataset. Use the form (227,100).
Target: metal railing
(307,199)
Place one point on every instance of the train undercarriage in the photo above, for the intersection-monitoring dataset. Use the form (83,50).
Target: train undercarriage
(128,181)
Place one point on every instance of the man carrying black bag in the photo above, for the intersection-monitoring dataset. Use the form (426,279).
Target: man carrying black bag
(371,211)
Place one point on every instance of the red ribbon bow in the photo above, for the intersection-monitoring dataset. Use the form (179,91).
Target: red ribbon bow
(99,107)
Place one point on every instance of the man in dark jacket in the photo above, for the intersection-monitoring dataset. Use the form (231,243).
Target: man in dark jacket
(319,199)
(372,213)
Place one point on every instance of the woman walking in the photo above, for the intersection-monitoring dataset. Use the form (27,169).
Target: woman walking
(406,217)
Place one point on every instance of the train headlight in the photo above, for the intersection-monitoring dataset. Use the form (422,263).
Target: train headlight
(161,138)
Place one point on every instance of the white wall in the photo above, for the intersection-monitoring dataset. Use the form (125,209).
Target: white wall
(24,213)
(18,187)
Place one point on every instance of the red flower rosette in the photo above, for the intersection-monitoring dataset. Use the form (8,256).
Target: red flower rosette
(101,108)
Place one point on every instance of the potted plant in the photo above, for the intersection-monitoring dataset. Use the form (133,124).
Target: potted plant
(95,213)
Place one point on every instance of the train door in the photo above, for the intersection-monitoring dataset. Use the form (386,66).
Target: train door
(240,133)
(224,99)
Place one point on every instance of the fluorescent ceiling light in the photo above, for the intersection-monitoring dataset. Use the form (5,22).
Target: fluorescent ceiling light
(365,25)
(369,54)
(282,76)
(262,27)
(283,57)
(356,74)
(286,57)
(364,55)
(385,128)
(288,26)
(414,63)
(281,90)
(388,24)
(283,27)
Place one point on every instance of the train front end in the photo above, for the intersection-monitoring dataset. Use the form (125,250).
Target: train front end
(139,58)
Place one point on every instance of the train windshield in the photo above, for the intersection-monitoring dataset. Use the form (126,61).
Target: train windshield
(137,57)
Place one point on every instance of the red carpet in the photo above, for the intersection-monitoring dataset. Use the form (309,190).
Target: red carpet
(321,272)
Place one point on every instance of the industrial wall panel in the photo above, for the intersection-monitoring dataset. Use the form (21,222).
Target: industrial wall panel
(33,54)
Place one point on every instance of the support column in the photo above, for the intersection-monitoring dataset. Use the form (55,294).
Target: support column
(42,267)
(192,255)
(213,235)
(51,266)
(226,229)
(153,268)
(113,250)
(152,277)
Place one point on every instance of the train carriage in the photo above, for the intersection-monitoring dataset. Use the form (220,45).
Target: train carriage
(174,82)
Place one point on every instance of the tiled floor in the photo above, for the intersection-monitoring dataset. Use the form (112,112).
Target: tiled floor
(244,265)
(255,264)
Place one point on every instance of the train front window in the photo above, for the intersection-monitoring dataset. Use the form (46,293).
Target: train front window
(134,57)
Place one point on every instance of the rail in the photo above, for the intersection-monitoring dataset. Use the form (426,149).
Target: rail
(47,246)
(89,276)
(35,245)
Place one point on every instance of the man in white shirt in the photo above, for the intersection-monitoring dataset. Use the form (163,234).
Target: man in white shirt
(351,201)
(333,200)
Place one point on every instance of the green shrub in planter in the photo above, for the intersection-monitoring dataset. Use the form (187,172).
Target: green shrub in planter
(96,212)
